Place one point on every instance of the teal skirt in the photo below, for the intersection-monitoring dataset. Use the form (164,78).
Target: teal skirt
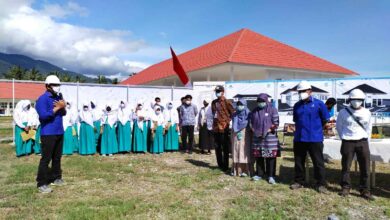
(67,146)
(76,139)
(171,139)
(157,146)
(109,144)
(124,137)
(22,147)
(37,142)
(87,139)
(140,138)
(96,125)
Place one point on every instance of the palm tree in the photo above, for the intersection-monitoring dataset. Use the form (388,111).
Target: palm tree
(115,81)
(101,79)
(15,72)
(34,74)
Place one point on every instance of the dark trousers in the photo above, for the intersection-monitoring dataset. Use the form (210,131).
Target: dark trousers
(187,131)
(348,151)
(222,145)
(266,166)
(205,138)
(51,151)
(315,151)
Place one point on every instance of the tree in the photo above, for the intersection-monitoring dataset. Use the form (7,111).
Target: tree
(16,72)
(34,74)
(115,81)
(101,79)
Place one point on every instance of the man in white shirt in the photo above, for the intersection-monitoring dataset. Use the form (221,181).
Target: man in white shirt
(353,125)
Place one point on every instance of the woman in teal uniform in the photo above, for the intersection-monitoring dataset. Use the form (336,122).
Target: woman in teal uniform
(87,136)
(109,144)
(140,129)
(70,135)
(21,116)
(124,127)
(171,137)
(157,131)
(97,114)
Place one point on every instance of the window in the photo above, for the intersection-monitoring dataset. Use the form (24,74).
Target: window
(3,105)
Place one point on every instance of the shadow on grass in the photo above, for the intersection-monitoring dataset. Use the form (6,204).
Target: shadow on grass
(200,163)
(382,189)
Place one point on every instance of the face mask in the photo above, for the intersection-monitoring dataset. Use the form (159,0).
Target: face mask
(68,106)
(85,108)
(218,94)
(158,112)
(122,105)
(56,89)
(303,95)
(157,103)
(261,104)
(108,109)
(240,107)
(356,103)
(188,102)
(170,107)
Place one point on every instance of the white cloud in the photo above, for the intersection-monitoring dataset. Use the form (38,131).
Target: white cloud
(38,34)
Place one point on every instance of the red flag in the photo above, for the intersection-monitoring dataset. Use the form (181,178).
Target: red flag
(178,68)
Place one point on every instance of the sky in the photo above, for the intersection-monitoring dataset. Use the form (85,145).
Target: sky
(119,37)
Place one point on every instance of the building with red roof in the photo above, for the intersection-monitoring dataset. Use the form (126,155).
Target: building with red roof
(242,55)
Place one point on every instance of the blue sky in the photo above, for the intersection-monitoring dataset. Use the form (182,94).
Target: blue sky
(354,34)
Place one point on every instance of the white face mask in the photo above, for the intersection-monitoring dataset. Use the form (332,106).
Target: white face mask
(122,105)
(158,112)
(303,95)
(56,89)
(68,106)
(170,107)
(240,107)
(188,102)
(218,94)
(356,103)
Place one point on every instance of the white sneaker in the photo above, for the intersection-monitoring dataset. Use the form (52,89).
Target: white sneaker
(256,178)
(44,189)
(272,181)
(110,155)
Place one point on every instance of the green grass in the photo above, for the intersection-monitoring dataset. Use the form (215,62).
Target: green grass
(174,186)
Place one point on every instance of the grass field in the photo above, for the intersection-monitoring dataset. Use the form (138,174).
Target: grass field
(174,186)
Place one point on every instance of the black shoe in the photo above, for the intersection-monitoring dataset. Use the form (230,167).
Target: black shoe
(366,194)
(295,186)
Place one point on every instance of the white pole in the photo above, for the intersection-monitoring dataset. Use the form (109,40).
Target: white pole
(77,96)
(13,110)
(172,94)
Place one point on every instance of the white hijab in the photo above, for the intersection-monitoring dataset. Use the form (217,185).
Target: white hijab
(110,117)
(21,113)
(96,112)
(159,118)
(71,116)
(124,113)
(33,117)
(86,115)
(171,115)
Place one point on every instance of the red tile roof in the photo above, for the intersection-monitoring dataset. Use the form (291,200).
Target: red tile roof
(29,91)
(244,46)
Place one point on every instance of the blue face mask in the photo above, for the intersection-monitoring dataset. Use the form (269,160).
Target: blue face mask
(218,94)
(261,104)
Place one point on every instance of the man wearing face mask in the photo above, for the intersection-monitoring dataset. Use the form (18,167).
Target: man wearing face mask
(310,116)
(51,108)
(222,110)
(188,113)
(354,128)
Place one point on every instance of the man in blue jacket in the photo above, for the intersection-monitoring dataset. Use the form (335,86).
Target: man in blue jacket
(310,115)
(51,108)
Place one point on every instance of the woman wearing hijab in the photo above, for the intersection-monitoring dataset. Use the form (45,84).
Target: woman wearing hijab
(157,130)
(109,144)
(35,124)
(97,115)
(87,135)
(140,129)
(124,127)
(241,139)
(171,137)
(21,116)
(205,131)
(265,144)
(70,135)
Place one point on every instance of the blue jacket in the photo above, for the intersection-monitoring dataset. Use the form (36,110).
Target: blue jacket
(51,124)
(309,118)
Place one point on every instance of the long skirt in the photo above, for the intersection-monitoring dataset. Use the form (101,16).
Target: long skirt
(87,139)
(68,143)
(157,146)
(140,137)
(241,146)
(76,141)
(124,137)
(22,147)
(205,138)
(109,144)
(171,139)
(37,141)
(97,125)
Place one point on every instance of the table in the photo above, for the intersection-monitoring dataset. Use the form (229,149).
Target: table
(379,149)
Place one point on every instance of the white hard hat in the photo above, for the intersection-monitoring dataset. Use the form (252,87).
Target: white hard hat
(303,85)
(52,79)
(357,94)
